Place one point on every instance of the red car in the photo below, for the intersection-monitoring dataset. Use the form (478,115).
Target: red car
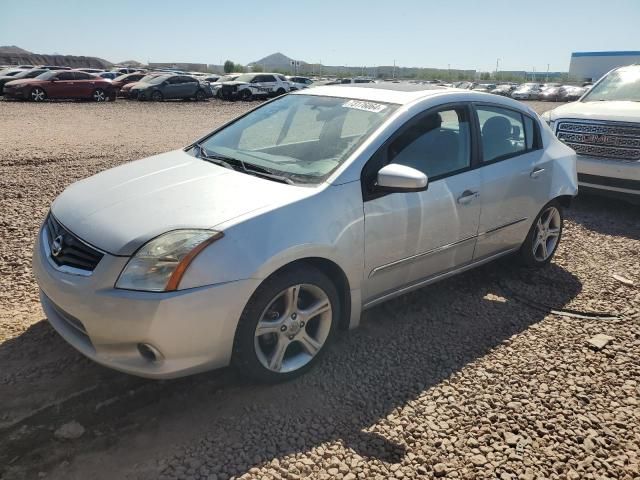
(61,84)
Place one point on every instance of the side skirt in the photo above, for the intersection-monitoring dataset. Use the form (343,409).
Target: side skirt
(435,278)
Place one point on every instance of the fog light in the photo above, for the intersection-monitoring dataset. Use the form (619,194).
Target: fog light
(149,352)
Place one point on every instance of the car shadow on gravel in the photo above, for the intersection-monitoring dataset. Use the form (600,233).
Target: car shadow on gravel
(606,215)
(354,397)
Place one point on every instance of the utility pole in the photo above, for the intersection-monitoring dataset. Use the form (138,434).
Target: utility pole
(497,67)
(449,72)
(393,75)
(547,73)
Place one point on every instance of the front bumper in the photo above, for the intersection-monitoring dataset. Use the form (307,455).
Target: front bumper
(15,93)
(604,174)
(193,329)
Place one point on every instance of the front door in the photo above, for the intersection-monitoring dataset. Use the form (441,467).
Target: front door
(416,235)
(63,86)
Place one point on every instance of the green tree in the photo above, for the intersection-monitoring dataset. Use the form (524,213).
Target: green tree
(256,67)
(229,66)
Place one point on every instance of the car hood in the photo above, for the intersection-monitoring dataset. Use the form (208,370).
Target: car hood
(120,209)
(615,111)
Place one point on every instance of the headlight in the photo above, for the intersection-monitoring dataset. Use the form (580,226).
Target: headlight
(160,264)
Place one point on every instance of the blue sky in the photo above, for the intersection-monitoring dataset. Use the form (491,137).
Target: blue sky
(462,33)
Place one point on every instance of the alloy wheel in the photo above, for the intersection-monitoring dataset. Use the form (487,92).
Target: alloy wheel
(37,95)
(99,95)
(546,234)
(293,328)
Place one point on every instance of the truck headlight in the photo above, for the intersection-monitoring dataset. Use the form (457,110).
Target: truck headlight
(159,265)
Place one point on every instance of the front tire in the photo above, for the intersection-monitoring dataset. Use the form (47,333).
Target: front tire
(281,91)
(287,325)
(99,95)
(157,96)
(544,236)
(200,96)
(38,95)
(246,95)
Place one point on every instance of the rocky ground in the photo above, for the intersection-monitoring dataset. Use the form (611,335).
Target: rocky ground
(486,375)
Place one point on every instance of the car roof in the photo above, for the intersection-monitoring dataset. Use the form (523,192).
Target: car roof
(400,93)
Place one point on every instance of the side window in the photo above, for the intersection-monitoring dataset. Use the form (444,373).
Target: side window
(282,78)
(175,80)
(82,76)
(268,78)
(65,76)
(436,143)
(502,132)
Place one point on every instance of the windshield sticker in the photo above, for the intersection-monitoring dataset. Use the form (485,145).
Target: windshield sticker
(366,106)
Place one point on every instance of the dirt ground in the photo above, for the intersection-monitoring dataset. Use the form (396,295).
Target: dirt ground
(486,375)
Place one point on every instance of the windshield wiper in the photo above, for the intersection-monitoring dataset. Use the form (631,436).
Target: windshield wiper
(230,162)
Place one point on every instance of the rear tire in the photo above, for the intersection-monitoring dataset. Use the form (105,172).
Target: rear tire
(38,95)
(246,95)
(297,312)
(544,236)
(157,96)
(200,96)
(280,91)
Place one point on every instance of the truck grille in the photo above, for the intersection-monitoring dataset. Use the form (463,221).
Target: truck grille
(620,141)
(68,250)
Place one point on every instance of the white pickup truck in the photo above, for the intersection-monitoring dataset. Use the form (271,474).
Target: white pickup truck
(603,127)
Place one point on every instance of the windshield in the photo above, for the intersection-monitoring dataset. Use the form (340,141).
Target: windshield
(9,72)
(158,79)
(47,75)
(621,85)
(302,137)
(245,78)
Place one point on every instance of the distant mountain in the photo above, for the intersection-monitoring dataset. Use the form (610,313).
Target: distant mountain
(131,63)
(276,61)
(13,50)
(12,55)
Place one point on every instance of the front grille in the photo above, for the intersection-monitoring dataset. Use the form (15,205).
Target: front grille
(227,89)
(615,140)
(68,250)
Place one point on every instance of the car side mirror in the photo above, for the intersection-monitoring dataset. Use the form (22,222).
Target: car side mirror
(401,178)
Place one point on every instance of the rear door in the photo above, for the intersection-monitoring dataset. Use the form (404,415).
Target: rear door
(84,85)
(189,87)
(172,87)
(516,177)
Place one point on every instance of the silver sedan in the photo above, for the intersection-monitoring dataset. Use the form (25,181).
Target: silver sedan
(256,245)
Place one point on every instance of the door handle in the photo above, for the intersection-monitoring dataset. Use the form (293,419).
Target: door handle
(536,172)
(467,196)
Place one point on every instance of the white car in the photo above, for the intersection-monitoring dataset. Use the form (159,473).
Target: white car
(527,91)
(603,127)
(250,86)
(259,243)
(299,83)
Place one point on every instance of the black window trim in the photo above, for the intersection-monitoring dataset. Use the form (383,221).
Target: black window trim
(537,143)
(380,155)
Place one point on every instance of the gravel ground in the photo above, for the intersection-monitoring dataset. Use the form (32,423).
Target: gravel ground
(486,375)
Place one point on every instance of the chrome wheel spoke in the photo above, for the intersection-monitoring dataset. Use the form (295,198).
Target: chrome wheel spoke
(316,309)
(545,253)
(310,344)
(291,299)
(266,327)
(553,232)
(275,362)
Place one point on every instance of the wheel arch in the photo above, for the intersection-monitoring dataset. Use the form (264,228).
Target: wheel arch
(337,276)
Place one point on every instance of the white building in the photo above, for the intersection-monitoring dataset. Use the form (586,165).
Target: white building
(590,66)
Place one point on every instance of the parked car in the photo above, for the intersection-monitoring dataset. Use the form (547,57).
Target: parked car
(572,93)
(91,70)
(527,91)
(202,260)
(60,84)
(54,67)
(167,87)
(20,74)
(211,78)
(485,87)
(122,80)
(125,90)
(299,83)
(553,94)
(345,81)
(603,127)
(250,86)
(504,89)
(108,75)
